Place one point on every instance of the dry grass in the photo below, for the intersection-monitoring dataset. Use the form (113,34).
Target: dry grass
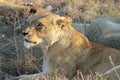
(80,10)
(16,60)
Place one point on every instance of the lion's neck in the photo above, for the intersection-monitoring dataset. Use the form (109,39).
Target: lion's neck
(56,46)
(68,40)
(57,40)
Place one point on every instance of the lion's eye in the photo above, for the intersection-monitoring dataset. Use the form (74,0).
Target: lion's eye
(39,26)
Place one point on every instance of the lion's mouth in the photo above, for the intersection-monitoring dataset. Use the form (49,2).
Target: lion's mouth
(30,41)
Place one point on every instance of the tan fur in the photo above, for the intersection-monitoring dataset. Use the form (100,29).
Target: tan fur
(12,11)
(3,2)
(67,50)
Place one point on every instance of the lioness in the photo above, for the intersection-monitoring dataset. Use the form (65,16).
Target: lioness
(67,50)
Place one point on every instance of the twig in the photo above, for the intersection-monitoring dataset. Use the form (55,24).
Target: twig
(113,69)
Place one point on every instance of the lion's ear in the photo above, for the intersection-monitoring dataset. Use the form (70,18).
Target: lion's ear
(64,22)
(32,10)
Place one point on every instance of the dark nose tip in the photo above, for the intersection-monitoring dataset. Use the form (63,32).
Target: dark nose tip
(24,33)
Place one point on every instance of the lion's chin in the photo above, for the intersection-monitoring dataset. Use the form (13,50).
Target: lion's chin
(28,45)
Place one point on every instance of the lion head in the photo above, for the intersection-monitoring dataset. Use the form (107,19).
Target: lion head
(46,30)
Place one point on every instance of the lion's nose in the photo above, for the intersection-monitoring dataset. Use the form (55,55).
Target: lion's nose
(24,33)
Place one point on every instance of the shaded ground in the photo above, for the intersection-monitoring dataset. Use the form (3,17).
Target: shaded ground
(14,58)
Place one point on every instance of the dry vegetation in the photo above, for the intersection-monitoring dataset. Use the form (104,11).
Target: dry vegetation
(80,10)
(16,60)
